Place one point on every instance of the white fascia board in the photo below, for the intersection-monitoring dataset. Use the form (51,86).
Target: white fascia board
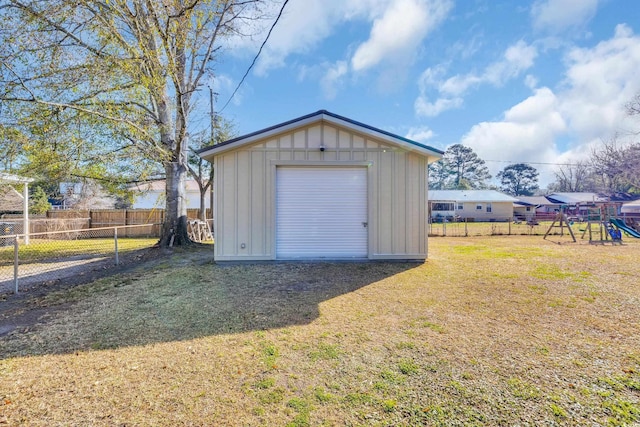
(254,137)
(7,177)
(432,156)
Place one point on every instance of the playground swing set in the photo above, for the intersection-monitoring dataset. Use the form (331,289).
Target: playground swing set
(602,225)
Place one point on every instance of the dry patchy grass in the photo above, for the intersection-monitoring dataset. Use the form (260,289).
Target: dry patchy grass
(489,331)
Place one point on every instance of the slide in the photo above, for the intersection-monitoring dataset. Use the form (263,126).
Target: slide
(624,227)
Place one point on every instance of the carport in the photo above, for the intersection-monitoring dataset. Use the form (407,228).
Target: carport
(15,179)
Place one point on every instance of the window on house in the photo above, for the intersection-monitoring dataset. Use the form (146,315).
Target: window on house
(460,206)
(479,207)
(528,208)
(442,206)
(488,207)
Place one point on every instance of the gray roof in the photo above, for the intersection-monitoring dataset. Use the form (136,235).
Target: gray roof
(572,198)
(10,199)
(470,196)
(535,201)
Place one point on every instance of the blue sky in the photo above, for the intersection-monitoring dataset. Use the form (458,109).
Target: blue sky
(540,81)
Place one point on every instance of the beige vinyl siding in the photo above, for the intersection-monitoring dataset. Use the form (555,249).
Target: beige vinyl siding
(245,191)
(499,211)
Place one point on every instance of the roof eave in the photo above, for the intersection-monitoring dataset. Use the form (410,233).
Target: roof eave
(432,154)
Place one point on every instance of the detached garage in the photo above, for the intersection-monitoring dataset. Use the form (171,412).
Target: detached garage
(320,186)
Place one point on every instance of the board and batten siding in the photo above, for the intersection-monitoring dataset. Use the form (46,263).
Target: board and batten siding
(246,180)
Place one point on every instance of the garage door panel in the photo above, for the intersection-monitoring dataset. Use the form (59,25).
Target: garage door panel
(320,212)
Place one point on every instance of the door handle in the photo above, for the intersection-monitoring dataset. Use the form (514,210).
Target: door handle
(365,224)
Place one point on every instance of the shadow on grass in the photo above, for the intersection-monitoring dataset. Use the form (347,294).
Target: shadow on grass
(182,299)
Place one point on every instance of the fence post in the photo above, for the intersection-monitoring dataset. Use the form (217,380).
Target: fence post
(466,230)
(15,262)
(115,241)
(510,221)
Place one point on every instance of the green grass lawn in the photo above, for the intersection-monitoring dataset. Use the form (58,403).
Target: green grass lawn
(489,331)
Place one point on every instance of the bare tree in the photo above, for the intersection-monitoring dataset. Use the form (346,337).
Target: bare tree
(616,167)
(129,69)
(633,106)
(201,170)
(572,177)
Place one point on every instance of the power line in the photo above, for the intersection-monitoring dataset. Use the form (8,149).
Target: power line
(256,57)
(534,163)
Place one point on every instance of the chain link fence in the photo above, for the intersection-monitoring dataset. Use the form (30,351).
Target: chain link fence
(498,227)
(27,261)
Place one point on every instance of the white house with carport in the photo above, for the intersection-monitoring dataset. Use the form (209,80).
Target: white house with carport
(476,205)
(631,208)
(584,204)
(151,195)
(321,186)
(15,179)
(528,207)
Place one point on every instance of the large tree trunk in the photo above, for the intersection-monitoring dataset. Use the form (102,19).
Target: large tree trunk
(174,228)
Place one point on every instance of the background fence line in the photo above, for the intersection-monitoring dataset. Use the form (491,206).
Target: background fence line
(499,227)
(63,220)
(56,255)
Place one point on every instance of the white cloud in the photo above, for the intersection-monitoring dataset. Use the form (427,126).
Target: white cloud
(516,59)
(527,134)
(423,107)
(420,134)
(556,16)
(561,127)
(223,84)
(600,81)
(399,31)
(333,78)
(302,26)
(531,81)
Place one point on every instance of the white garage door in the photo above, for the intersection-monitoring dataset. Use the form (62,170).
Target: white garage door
(321,212)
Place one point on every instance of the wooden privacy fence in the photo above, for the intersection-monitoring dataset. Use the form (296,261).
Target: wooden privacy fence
(62,220)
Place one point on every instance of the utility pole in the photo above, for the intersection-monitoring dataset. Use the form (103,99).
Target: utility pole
(212,142)
(212,114)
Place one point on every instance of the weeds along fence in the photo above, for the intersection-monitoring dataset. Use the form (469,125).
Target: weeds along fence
(58,255)
(498,227)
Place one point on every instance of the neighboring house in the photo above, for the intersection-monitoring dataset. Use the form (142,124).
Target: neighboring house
(631,207)
(583,205)
(479,205)
(10,200)
(320,186)
(150,195)
(527,207)
(85,195)
(574,199)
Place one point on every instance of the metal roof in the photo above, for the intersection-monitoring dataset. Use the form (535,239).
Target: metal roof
(322,115)
(7,177)
(629,207)
(470,196)
(535,201)
(572,198)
